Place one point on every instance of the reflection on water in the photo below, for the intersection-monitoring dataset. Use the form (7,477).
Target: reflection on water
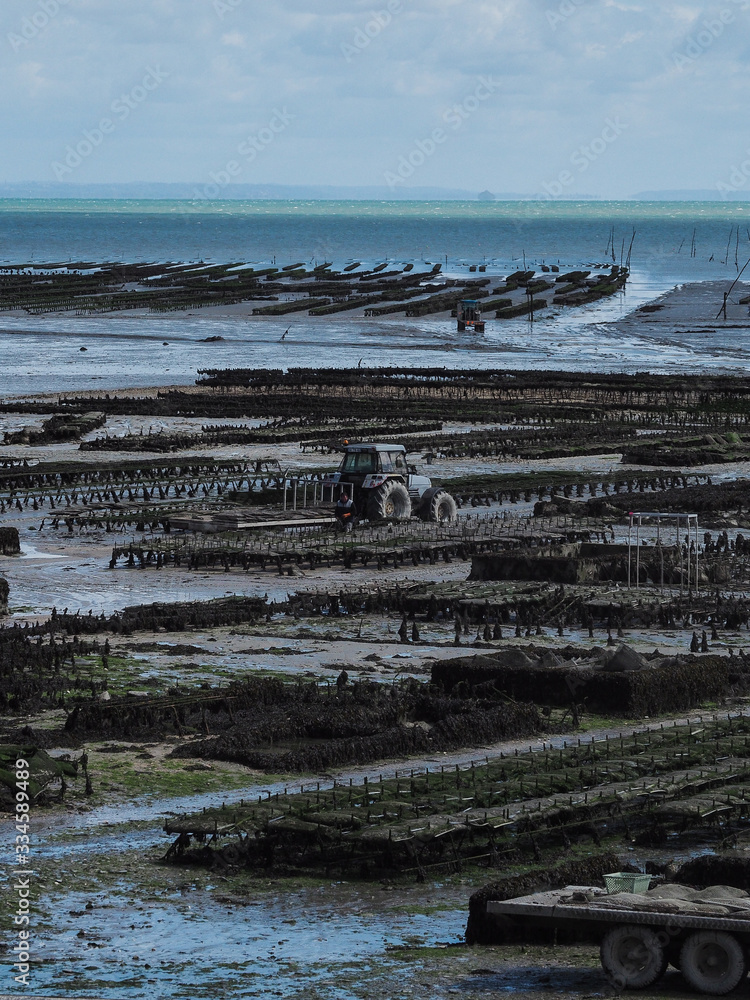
(31,552)
(188,942)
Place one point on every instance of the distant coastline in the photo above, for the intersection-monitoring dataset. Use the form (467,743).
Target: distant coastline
(147,191)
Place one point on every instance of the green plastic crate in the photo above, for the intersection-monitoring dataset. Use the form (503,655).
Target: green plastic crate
(627,882)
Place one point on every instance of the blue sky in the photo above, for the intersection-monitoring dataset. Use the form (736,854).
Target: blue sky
(603,97)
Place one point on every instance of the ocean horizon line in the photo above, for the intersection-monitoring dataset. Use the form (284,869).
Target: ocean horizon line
(214,193)
(551,207)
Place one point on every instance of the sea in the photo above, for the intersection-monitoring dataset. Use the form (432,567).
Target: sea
(667,244)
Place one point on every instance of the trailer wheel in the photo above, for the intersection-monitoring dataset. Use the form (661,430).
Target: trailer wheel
(713,962)
(438,506)
(391,500)
(632,956)
(673,954)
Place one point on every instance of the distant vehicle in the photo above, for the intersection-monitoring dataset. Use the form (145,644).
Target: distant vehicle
(469,316)
(385,487)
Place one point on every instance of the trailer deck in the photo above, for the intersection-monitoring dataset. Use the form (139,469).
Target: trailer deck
(253,518)
(704,933)
(561,905)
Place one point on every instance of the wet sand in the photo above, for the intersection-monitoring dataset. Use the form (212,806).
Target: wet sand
(611,335)
(132,927)
(155,931)
(689,317)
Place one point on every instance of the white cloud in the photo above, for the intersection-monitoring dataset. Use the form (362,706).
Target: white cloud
(235,39)
(354,116)
(31,81)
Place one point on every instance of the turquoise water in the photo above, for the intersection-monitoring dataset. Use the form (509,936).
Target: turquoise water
(64,230)
(550,208)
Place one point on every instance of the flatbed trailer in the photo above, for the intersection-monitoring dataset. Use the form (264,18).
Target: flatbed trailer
(253,519)
(636,945)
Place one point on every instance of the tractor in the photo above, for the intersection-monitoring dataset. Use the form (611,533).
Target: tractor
(385,487)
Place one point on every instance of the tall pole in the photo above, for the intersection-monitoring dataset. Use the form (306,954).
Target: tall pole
(638,553)
(661,552)
(630,533)
(696,555)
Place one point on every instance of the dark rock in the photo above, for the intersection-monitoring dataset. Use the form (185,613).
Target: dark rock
(624,658)
(732,868)
(9,542)
(512,657)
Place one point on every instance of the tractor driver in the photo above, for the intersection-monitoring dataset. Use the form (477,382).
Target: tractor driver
(346,511)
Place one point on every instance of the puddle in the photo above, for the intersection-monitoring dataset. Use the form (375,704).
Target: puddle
(519,980)
(190,942)
(31,552)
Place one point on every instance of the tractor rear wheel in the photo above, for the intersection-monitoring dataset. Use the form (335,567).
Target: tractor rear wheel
(390,502)
(438,506)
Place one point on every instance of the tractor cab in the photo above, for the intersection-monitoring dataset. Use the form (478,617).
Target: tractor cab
(367,460)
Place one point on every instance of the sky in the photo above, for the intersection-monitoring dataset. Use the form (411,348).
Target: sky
(553,97)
